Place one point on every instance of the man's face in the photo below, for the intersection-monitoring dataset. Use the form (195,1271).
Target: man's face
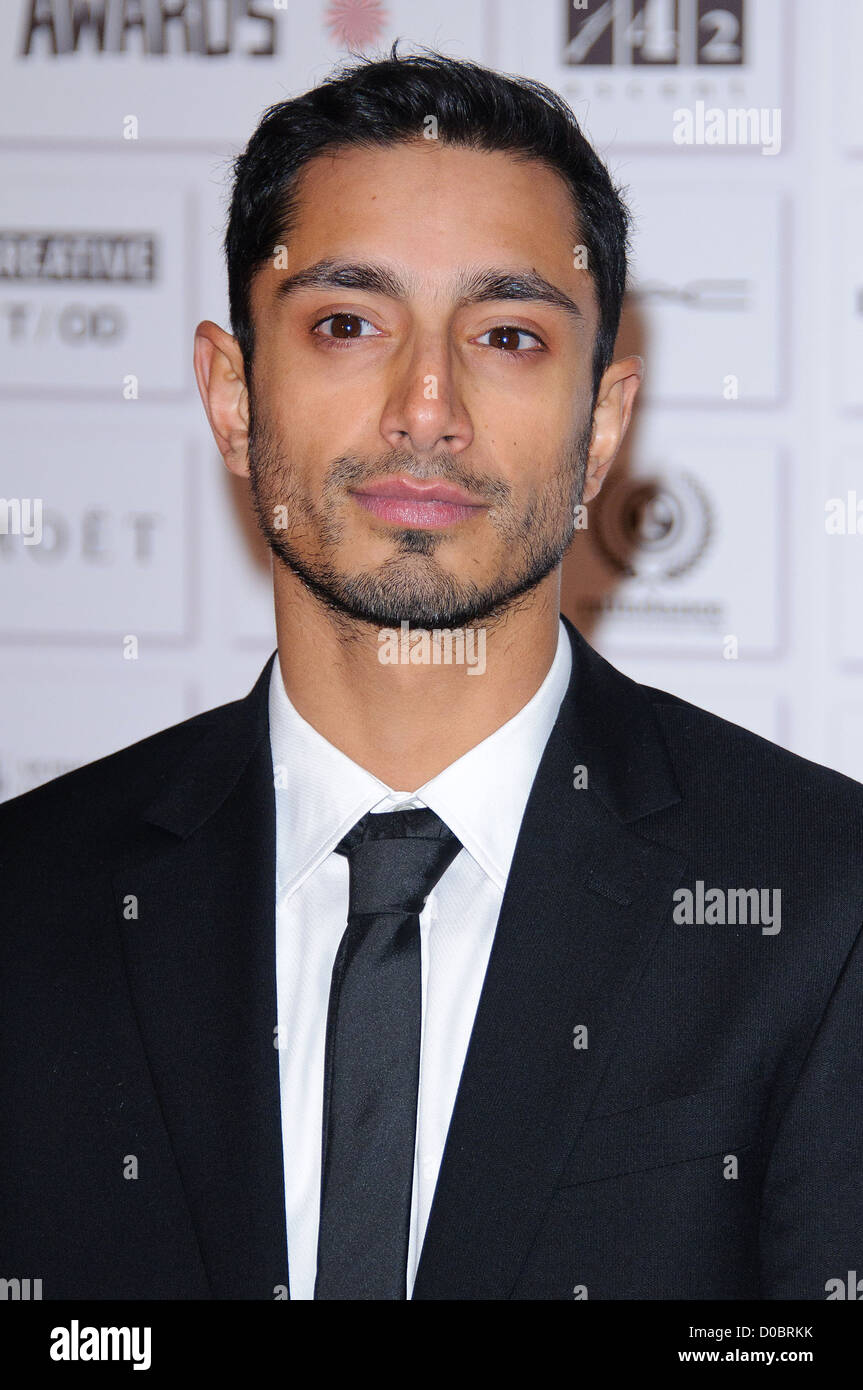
(417,450)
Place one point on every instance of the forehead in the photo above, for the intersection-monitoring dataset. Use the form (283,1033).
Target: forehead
(433,206)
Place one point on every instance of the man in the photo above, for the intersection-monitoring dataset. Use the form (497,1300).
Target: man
(450,963)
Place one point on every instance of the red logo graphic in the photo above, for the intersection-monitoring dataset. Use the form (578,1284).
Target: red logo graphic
(355,23)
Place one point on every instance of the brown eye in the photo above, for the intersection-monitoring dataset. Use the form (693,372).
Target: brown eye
(346,325)
(506,337)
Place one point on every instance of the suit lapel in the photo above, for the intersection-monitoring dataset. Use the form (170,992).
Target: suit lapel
(585,898)
(201,964)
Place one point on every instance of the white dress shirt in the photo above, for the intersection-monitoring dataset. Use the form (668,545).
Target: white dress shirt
(320,794)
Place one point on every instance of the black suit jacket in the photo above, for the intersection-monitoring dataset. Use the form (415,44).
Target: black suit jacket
(707,1142)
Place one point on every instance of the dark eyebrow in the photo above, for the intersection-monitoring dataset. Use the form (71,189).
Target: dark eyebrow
(479,286)
(472,286)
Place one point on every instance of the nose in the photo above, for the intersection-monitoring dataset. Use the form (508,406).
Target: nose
(424,409)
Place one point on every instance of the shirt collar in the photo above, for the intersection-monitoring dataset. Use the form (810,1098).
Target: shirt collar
(321,792)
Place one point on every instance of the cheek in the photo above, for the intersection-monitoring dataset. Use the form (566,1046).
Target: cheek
(299,423)
(306,407)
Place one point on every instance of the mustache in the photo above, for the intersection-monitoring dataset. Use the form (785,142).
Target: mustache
(348,470)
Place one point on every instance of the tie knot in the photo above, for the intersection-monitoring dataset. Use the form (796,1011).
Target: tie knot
(395,859)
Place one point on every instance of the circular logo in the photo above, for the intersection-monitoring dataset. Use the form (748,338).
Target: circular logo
(653,528)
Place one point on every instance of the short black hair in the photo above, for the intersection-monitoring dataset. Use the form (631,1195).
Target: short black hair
(377,102)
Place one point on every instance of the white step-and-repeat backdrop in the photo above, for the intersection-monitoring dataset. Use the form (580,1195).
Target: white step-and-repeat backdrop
(724,558)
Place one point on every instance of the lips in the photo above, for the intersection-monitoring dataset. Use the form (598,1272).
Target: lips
(411,502)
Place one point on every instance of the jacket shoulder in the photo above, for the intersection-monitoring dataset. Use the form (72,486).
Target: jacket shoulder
(705,744)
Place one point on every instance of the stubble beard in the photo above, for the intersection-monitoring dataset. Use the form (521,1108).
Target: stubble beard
(412,585)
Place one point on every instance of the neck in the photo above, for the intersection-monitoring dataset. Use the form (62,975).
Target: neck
(401,710)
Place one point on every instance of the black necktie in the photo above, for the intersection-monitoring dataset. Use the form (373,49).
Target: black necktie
(372,1055)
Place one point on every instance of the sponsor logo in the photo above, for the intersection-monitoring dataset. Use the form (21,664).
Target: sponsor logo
(55,257)
(656,528)
(723,296)
(655,33)
(208,28)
